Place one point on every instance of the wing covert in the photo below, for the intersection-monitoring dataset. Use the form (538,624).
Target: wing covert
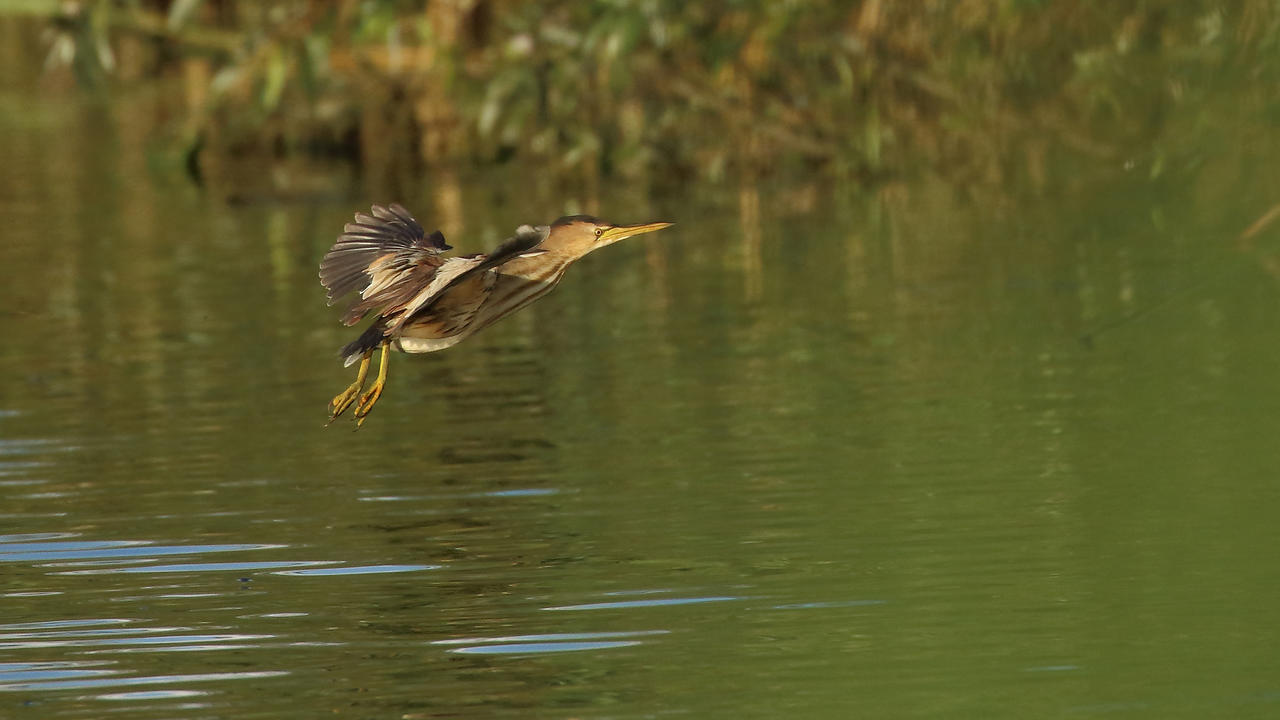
(385,255)
(458,270)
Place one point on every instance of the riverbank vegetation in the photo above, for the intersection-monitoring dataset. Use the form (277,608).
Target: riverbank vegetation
(654,89)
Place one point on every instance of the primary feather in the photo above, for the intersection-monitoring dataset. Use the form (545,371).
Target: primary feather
(385,256)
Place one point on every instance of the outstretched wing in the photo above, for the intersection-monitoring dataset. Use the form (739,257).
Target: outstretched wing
(386,256)
(457,271)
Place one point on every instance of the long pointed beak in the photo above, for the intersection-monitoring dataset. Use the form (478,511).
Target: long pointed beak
(620,232)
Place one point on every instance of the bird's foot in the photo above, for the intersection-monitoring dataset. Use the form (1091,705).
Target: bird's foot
(367,402)
(343,400)
(368,399)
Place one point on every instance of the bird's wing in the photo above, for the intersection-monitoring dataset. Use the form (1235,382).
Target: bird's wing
(386,256)
(448,275)
(456,271)
(526,240)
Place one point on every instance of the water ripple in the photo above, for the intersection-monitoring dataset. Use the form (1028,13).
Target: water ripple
(550,637)
(645,603)
(97,632)
(79,551)
(201,567)
(33,537)
(41,671)
(21,547)
(160,640)
(42,624)
(129,681)
(360,570)
(828,604)
(152,695)
(512,493)
(533,648)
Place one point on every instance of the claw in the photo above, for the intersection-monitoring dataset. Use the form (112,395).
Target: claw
(343,400)
(368,399)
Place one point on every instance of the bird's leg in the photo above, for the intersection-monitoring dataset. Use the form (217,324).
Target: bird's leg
(368,399)
(344,399)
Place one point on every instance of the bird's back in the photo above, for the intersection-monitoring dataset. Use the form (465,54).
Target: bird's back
(481,299)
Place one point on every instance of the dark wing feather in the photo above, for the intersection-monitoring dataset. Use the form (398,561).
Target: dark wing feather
(386,256)
(526,239)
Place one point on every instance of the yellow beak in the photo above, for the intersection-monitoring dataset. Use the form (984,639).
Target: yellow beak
(621,232)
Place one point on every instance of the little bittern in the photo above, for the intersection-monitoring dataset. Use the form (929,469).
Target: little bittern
(426,301)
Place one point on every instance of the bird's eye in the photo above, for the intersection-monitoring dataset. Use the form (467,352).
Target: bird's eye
(599,232)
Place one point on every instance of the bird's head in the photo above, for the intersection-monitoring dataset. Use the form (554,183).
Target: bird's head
(580,234)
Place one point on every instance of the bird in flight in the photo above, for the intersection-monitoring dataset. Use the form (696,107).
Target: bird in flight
(424,301)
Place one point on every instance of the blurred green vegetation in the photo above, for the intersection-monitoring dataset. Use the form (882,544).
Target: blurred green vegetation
(863,90)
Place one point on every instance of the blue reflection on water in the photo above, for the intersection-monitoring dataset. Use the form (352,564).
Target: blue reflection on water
(95,632)
(360,570)
(26,672)
(196,648)
(82,550)
(514,493)
(201,567)
(151,695)
(645,603)
(549,637)
(552,647)
(127,681)
(135,641)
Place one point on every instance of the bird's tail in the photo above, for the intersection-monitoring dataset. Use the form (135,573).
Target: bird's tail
(368,340)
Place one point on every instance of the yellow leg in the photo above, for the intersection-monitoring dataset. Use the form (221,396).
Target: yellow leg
(368,399)
(344,399)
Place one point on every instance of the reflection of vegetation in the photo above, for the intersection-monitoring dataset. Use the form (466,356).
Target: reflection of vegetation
(642,86)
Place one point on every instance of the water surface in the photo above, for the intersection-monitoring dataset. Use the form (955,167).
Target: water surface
(914,451)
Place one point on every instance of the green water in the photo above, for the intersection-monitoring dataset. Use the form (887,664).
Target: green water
(916,451)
